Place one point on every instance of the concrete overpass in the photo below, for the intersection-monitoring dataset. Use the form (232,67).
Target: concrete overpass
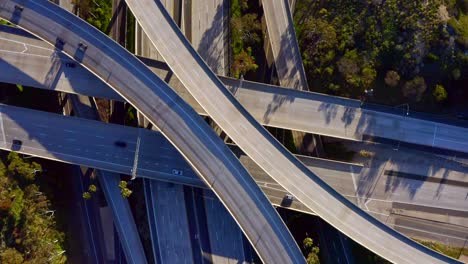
(109,181)
(30,61)
(177,121)
(283,41)
(61,138)
(251,137)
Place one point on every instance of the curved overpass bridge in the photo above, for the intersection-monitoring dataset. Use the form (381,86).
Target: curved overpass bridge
(421,250)
(251,137)
(31,62)
(194,139)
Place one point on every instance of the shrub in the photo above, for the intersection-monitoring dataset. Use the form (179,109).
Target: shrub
(439,93)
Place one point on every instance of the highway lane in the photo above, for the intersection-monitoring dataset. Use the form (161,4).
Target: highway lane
(415,227)
(109,181)
(123,218)
(53,136)
(208,33)
(279,23)
(268,153)
(147,189)
(49,133)
(226,239)
(169,222)
(85,213)
(194,139)
(270,105)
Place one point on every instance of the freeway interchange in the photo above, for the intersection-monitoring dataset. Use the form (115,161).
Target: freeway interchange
(286,164)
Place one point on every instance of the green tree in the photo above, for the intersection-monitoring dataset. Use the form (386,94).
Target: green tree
(392,78)
(248,27)
(439,93)
(27,225)
(317,42)
(86,195)
(11,256)
(92,188)
(414,88)
(25,172)
(460,26)
(124,190)
(243,63)
(368,76)
(311,251)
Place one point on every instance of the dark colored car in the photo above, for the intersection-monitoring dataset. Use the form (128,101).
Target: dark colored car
(70,65)
(17,142)
(83,47)
(19,8)
(287,200)
(60,42)
(120,144)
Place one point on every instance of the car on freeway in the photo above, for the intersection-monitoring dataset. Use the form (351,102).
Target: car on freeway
(19,8)
(287,200)
(17,142)
(83,47)
(120,144)
(70,65)
(177,172)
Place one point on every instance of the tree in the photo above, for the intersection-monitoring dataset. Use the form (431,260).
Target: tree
(243,62)
(87,195)
(11,256)
(392,78)
(248,27)
(28,230)
(317,42)
(368,76)
(439,93)
(456,74)
(124,189)
(92,188)
(25,172)
(414,88)
(311,251)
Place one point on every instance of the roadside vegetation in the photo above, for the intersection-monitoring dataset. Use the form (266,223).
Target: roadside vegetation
(28,230)
(312,251)
(96,12)
(454,252)
(407,51)
(246,37)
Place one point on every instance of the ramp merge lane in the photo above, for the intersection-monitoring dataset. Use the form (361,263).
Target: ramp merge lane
(268,153)
(179,123)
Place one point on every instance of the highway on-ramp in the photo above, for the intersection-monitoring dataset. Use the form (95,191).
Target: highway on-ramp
(264,150)
(279,23)
(182,126)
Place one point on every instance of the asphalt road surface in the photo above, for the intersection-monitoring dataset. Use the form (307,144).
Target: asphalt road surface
(268,153)
(279,23)
(33,63)
(195,140)
(109,182)
(53,136)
